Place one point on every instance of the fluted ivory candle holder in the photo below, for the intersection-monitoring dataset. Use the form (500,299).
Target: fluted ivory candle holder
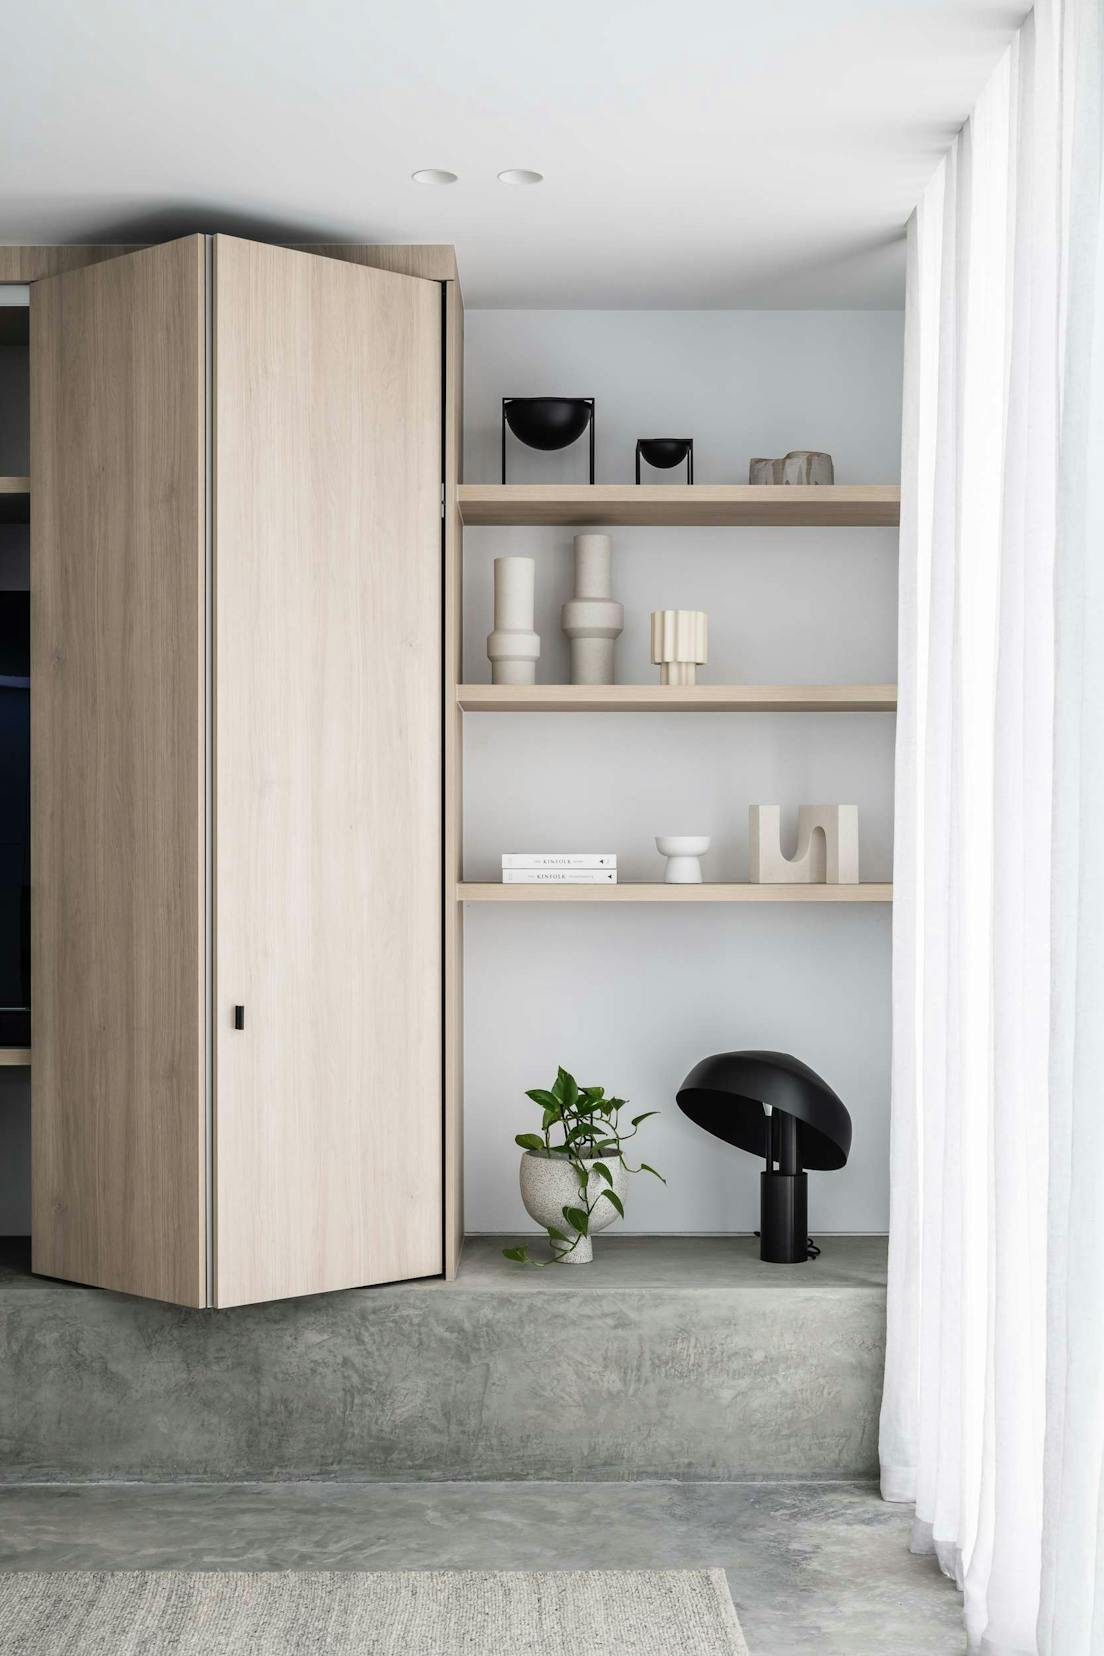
(680,644)
(513,648)
(592,620)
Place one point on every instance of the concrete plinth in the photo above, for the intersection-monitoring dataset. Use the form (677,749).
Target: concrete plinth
(668,1358)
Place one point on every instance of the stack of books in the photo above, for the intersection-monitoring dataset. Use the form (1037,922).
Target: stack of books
(559,868)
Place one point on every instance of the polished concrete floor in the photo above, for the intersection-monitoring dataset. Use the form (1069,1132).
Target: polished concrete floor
(814,1569)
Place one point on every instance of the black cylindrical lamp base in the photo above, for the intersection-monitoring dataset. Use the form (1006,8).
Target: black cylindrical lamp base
(783,1218)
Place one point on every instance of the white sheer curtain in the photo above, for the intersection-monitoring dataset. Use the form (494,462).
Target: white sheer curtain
(977,1117)
(1071,1622)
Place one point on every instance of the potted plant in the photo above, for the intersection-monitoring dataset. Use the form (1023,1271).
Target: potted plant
(573,1171)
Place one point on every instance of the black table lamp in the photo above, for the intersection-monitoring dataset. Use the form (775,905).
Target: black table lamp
(774,1106)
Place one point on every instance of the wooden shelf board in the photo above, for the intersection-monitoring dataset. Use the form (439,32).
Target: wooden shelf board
(662,698)
(14,1056)
(843,504)
(471,892)
(15,499)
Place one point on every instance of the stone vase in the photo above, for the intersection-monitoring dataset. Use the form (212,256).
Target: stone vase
(807,466)
(802,466)
(548,1185)
(513,648)
(592,620)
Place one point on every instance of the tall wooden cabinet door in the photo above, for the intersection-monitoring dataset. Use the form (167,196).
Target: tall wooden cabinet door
(328,744)
(117,788)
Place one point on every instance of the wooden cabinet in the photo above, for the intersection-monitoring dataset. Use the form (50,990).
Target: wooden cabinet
(238,748)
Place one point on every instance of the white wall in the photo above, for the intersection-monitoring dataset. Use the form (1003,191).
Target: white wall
(633,996)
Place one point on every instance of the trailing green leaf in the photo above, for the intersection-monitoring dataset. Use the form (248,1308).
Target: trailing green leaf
(581,1126)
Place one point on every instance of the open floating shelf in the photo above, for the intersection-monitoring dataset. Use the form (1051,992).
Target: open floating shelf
(16,1057)
(15,499)
(663,698)
(470,892)
(845,505)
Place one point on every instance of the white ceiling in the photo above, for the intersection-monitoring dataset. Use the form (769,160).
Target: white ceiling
(702,154)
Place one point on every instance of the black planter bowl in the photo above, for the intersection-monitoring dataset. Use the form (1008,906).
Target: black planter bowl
(548,422)
(664,452)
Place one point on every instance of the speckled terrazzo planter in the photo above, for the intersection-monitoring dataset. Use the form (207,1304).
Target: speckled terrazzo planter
(548,1185)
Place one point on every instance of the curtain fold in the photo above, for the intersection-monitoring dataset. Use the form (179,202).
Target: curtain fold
(998,1133)
(1071,1621)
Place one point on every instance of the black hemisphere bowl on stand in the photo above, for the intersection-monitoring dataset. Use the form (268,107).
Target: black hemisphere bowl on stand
(665,452)
(548,423)
(774,1106)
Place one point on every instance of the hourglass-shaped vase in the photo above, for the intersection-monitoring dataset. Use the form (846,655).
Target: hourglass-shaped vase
(592,619)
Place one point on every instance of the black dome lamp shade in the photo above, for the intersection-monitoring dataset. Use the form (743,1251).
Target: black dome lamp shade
(773,1106)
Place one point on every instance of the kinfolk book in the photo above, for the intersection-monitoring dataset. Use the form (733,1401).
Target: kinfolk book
(559,876)
(559,859)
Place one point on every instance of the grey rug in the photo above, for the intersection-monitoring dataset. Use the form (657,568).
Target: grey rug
(369,1613)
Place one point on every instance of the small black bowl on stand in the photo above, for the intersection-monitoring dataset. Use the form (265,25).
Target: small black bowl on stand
(548,423)
(665,452)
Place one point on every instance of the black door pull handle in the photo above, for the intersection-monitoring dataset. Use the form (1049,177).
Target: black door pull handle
(239,1017)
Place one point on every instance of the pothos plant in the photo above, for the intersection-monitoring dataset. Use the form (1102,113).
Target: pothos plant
(584,1127)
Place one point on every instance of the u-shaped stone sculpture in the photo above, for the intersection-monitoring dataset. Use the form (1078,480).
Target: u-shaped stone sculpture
(827,846)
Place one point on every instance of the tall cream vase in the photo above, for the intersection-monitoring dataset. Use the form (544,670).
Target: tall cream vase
(592,619)
(513,648)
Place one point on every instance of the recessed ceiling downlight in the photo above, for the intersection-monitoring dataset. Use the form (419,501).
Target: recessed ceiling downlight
(520,175)
(433,175)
